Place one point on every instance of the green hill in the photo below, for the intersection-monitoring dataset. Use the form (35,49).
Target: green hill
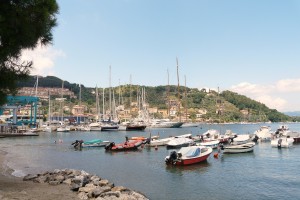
(224,107)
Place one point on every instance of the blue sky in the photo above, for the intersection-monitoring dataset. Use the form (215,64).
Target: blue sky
(251,47)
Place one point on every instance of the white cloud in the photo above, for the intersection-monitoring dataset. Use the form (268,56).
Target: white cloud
(271,95)
(288,85)
(43,58)
(254,89)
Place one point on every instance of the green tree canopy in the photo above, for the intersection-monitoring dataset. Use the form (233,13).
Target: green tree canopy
(24,24)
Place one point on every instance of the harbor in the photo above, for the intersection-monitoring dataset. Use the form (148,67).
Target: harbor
(264,173)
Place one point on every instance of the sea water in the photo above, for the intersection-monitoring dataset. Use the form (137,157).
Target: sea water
(265,173)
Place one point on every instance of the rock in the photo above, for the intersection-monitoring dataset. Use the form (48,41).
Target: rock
(41,179)
(74,186)
(29,177)
(83,195)
(59,178)
(99,190)
(87,188)
(103,182)
(111,194)
(119,188)
(67,181)
(57,171)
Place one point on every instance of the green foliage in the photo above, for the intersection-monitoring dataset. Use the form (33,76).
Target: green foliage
(23,25)
(224,107)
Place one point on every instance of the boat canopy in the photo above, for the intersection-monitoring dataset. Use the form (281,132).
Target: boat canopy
(190,151)
(93,141)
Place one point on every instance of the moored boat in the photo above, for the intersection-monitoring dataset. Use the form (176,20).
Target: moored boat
(164,141)
(126,146)
(90,143)
(180,142)
(239,148)
(283,142)
(209,143)
(188,155)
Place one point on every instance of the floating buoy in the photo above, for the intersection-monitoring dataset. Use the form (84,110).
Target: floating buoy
(156,147)
(216,155)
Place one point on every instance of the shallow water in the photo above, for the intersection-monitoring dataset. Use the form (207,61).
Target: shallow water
(266,173)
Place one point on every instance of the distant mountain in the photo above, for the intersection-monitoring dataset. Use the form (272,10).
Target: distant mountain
(293,113)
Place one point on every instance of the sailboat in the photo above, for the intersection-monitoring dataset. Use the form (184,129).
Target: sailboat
(167,123)
(110,124)
(62,127)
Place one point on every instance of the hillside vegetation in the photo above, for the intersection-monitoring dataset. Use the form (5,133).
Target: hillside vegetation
(224,107)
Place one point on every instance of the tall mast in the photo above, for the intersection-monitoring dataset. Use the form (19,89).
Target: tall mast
(119,93)
(130,93)
(80,95)
(103,100)
(168,95)
(49,108)
(178,92)
(110,92)
(185,99)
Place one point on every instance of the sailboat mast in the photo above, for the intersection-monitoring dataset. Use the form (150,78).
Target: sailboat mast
(168,95)
(185,99)
(110,92)
(178,88)
(103,100)
(49,107)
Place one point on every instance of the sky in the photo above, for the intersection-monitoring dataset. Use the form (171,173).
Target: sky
(248,47)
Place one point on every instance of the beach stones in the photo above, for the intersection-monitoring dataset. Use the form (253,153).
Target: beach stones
(88,186)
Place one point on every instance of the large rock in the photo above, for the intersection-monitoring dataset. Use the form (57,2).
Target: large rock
(29,177)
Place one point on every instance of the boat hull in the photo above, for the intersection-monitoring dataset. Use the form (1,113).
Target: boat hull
(243,148)
(136,128)
(193,160)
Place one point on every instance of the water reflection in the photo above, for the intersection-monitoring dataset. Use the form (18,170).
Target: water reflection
(201,168)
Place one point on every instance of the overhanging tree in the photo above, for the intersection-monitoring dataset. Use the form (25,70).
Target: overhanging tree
(24,24)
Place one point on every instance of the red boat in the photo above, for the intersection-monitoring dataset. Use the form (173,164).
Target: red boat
(188,155)
(126,146)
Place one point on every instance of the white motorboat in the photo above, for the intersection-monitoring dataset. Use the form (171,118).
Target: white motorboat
(209,143)
(263,133)
(283,142)
(164,141)
(239,148)
(241,139)
(180,142)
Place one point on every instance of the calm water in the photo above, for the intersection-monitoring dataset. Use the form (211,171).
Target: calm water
(266,173)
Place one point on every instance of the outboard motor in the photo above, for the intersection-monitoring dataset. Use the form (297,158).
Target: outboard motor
(147,141)
(279,143)
(77,143)
(255,139)
(172,158)
(109,146)
(221,146)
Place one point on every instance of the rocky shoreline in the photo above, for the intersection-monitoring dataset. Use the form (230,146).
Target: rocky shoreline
(86,186)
